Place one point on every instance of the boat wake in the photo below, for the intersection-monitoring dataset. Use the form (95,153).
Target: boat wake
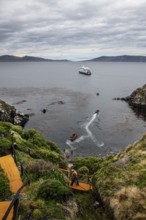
(88,134)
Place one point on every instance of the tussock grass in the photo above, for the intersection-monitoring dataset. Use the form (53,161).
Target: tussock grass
(122,182)
(126,203)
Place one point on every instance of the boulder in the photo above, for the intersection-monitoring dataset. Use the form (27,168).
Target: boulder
(21,119)
(8,114)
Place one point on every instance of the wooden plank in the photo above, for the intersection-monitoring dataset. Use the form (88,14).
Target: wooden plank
(8,165)
(3,208)
(81,186)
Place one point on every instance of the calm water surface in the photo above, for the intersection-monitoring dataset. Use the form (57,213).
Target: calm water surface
(32,87)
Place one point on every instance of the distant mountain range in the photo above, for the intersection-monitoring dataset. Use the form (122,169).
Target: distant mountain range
(123,58)
(10,58)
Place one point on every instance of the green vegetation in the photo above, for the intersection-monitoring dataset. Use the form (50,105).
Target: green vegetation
(119,180)
(5,105)
(88,208)
(48,195)
(53,189)
(92,163)
(41,159)
(4,186)
(39,209)
(30,142)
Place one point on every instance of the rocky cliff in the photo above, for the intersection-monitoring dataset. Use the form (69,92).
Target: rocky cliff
(137,101)
(137,97)
(8,114)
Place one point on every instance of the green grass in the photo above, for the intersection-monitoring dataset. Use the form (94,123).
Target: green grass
(4,186)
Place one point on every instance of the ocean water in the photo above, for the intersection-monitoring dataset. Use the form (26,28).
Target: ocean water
(71,100)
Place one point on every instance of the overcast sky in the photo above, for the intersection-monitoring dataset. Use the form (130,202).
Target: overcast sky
(72,29)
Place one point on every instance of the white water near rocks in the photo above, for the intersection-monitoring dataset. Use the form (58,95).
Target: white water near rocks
(89,134)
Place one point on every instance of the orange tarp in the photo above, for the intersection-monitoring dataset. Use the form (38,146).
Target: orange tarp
(8,165)
(3,208)
(81,186)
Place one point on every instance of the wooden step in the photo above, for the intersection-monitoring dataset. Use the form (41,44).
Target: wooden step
(3,208)
(81,186)
(7,163)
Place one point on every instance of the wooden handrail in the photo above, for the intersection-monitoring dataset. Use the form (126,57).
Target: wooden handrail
(15,198)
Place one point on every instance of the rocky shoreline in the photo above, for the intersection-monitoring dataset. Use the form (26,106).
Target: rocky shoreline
(137,98)
(137,101)
(8,113)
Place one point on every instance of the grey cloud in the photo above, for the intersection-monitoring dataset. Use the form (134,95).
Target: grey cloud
(49,24)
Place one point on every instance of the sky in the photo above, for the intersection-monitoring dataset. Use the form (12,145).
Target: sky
(72,29)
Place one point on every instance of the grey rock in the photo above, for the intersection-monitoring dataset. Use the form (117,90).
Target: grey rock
(8,114)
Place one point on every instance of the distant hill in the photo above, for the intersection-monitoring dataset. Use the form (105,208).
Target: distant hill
(123,58)
(10,58)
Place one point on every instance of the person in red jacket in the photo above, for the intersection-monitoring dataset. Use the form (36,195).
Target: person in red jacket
(74,176)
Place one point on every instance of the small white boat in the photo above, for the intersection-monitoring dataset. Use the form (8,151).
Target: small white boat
(85,70)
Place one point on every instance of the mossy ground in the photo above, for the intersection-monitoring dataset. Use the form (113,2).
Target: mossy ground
(5,192)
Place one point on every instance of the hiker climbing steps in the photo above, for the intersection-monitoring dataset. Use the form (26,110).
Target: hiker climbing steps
(8,165)
(81,185)
(3,208)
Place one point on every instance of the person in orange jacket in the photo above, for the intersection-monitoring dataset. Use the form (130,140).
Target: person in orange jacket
(74,177)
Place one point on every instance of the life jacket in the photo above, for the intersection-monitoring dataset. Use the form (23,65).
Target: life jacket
(74,174)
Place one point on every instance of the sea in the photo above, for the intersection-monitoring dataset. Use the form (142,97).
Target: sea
(76,103)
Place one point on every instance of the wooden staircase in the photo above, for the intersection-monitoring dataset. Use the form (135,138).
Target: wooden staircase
(3,208)
(7,163)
